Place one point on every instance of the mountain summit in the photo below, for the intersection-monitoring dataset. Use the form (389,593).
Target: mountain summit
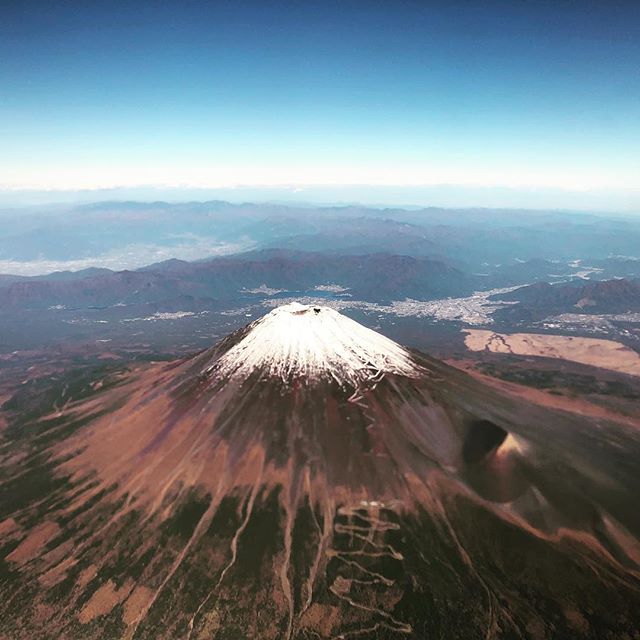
(310,478)
(312,342)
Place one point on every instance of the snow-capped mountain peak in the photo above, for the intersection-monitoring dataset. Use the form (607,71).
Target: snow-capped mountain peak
(314,342)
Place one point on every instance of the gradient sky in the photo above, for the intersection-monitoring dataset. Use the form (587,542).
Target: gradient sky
(514,93)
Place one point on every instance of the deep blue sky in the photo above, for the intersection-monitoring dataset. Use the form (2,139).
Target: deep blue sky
(542,94)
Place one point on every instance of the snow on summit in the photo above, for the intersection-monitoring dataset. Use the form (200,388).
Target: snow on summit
(314,342)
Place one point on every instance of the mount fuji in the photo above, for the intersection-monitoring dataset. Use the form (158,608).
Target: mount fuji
(309,478)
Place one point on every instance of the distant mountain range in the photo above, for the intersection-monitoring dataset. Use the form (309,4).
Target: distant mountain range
(129,235)
(202,266)
(375,277)
(542,299)
(94,303)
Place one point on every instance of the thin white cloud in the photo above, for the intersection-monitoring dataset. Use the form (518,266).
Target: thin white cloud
(132,256)
(296,177)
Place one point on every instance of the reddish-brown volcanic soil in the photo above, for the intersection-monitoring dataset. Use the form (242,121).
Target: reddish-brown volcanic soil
(176,501)
(579,406)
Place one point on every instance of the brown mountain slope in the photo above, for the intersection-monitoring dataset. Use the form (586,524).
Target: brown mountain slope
(310,479)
